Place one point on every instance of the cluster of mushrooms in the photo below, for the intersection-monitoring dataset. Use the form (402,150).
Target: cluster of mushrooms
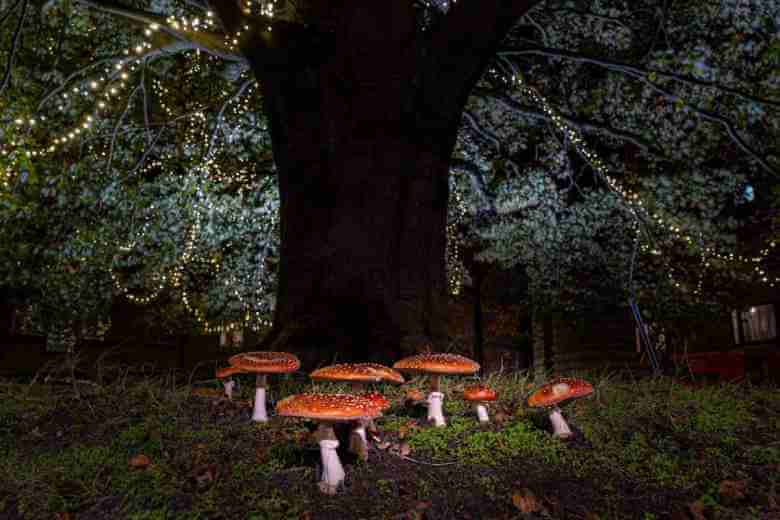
(361,407)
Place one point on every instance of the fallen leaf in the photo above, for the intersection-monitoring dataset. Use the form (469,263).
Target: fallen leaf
(140,461)
(402,430)
(63,516)
(696,509)
(731,491)
(383,445)
(500,417)
(526,501)
(414,395)
(404,449)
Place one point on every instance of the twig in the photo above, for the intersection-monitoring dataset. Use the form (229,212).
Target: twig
(14,45)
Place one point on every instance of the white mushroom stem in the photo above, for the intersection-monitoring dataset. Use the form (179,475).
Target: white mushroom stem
(332,470)
(358,443)
(482,412)
(435,408)
(229,384)
(561,428)
(258,412)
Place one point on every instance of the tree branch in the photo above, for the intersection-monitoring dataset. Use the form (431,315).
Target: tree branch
(14,45)
(11,9)
(476,179)
(221,113)
(206,41)
(516,107)
(635,71)
(459,50)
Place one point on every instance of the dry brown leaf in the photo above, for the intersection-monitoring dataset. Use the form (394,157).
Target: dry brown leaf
(414,395)
(63,516)
(696,509)
(526,501)
(139,461)
(731,491)
(404,449)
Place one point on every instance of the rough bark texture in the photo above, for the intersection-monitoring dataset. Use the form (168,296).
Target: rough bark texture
(363,129)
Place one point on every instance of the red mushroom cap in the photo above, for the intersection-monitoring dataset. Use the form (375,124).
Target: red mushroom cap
(452,364)
(479,393)
(558,391)
(224,372)
(264,362)
(328,407)
(358,373)
(378,399)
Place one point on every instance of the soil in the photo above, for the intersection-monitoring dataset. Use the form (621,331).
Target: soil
(392,484)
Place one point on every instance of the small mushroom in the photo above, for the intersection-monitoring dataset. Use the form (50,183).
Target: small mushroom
(557,392)
(225,375)
(480,395)
(358,375)
(328,409)
(437,365)
(263,363)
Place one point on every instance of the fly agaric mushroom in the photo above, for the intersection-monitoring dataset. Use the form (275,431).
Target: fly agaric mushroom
(225,375)
(437,365)
(359,374)
(328,409)
(480,396)
(263,363)
(557,392)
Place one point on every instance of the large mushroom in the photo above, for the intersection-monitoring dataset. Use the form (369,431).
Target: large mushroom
(558,392)
(358,375)
(225,375)
(480,395)
(264,363)
(437,365)
(328,409)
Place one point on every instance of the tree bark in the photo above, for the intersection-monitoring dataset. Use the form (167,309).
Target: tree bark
(363,128)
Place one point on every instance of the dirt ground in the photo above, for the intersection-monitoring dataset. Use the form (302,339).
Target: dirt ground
(71,456)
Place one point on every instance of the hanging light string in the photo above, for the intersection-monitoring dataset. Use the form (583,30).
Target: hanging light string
(633,200)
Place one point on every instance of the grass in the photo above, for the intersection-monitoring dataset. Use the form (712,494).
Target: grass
(650,448)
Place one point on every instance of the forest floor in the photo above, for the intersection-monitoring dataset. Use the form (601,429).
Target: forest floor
(647,449)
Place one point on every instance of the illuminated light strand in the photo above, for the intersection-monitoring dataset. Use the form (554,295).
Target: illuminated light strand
(633,199)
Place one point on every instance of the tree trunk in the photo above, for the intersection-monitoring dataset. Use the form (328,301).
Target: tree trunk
(364,192)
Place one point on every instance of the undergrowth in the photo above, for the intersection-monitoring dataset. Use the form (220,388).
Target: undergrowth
(69,450)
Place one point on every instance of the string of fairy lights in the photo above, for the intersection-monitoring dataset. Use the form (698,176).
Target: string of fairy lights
(637,207)
(111,85)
